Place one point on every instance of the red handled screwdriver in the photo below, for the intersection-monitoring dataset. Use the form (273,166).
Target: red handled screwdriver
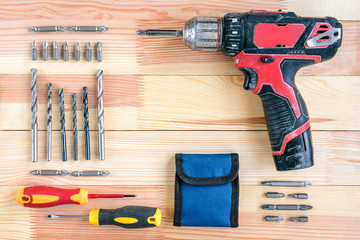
(44,196)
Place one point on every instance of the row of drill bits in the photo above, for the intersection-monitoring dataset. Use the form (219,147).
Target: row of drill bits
(56,55)
(34,126)
(72,29)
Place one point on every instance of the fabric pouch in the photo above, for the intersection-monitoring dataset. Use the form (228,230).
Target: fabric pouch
(207,190)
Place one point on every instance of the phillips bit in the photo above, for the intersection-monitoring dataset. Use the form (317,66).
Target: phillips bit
(275,195)
(77,52)
(298,195)
(55,51)
(160,33)
(45,51)
(299,219)
(86,124)
(88,29)
(34,124)
(90,173)
(49,172)
(75,127)
(66,52)
(286,184)
(88,52)
(274,218)
(99,55)
(100,99)
(49,122)
(286,207)
(62,122)
(47,29)
(34,51)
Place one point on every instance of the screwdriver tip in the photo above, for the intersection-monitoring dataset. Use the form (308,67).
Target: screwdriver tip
(52,216)
(130,195)
(141,32)
(32,29)
(308,184)
(73,29)
(88,45)
(34,172)
(266,183)
(103,29)
(62,28)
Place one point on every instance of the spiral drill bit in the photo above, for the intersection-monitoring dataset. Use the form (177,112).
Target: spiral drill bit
(75,127)
(86,124)
(62,122)
(100,99)
(49,121)
(34,125)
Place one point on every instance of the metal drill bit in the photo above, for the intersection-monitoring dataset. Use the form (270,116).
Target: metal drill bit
(86,124)
(99,55)
(88,52)
(34,124)
(286,207)
(34,51)
(49,172)
(100,99)
(274,218)
(286,183)
(275,195)
(66,52)
(160,33)
(45,51)
(90,173)
(47,29)
(298,195)
(88,29)
(77,52)
(299,219)
(65,216)
(62,122)
(49,122)
(75,127)
(55,51)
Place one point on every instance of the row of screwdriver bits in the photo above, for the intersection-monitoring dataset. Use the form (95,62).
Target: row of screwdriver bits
(56,54)
(72,29)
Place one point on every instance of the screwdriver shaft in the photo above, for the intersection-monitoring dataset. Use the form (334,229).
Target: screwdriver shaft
(160,33)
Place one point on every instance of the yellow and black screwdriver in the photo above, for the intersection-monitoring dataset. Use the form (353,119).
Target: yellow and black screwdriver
(126,217)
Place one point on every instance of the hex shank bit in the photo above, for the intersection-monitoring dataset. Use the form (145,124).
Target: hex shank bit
(88,52)
(90,173)
(299,219)
(66,52)
(34,124)
(62,123)
(99,55)
(45,54)
(49,122)
(274,218)
(55,51)
(75,127)
(77,52)
(298,195)
(49,172)
(47,29)
(100,99)
(34,51)
(86,124)
(275,195)
(286,183)
(286,207)
(88,29)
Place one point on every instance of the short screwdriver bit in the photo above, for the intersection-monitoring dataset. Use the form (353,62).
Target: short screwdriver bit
(88,52)
(34,51)
(299,219)
(274,218)
(55,51)
(45,54)
(298,195)
(286,207)
(66,52)
(275,195)
(77,52)
(99,54)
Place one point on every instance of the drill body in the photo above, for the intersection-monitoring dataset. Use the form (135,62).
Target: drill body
(270,47)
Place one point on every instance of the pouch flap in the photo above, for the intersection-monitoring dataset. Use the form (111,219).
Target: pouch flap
(207,169)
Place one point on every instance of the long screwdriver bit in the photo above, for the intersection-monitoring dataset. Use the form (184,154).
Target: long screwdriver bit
(55,51)
(66,52)
(77,52)
(88,29)
(90,173)
(88,52)
(34,124)
(75,127)
(49,122)
(100,99)
(286,183)
(34,51)
(286,207)
(49,172)
(62,122)
(45,54)
(99,55)
(86,124)
(47,29)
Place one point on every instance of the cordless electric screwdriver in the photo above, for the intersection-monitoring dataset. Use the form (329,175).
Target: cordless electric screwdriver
(270,47)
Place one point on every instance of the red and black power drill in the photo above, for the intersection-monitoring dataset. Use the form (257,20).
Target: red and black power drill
(270,47)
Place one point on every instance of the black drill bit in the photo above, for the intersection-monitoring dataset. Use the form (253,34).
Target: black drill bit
(62,122)
(75,127)
(86,124)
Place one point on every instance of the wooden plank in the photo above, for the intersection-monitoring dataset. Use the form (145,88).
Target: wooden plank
(147,157)
(328,219)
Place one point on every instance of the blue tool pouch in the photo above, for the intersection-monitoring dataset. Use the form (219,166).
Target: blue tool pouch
(207,190)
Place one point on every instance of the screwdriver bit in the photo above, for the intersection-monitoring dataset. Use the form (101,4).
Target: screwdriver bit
(285,207)
(62,122)
(160,33)
(99,55)
(55,51)
(45,51)
(66,52)
(47,29)
(49,172)
(75,127)
(90,173)
(88,29)
(299,219)
(34,124)
(49,122)
(88,52)
(100,99)
(34,51)
(77,52)
(298,195)
(274,218)
(275,195)
(86,124)
(286,183)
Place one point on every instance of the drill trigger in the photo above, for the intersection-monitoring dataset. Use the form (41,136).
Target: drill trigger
(251,78)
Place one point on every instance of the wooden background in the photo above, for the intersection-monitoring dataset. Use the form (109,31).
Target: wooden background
(162,98)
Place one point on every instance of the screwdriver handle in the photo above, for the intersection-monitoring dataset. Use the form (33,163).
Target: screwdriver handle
(127,217)
(44,196)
